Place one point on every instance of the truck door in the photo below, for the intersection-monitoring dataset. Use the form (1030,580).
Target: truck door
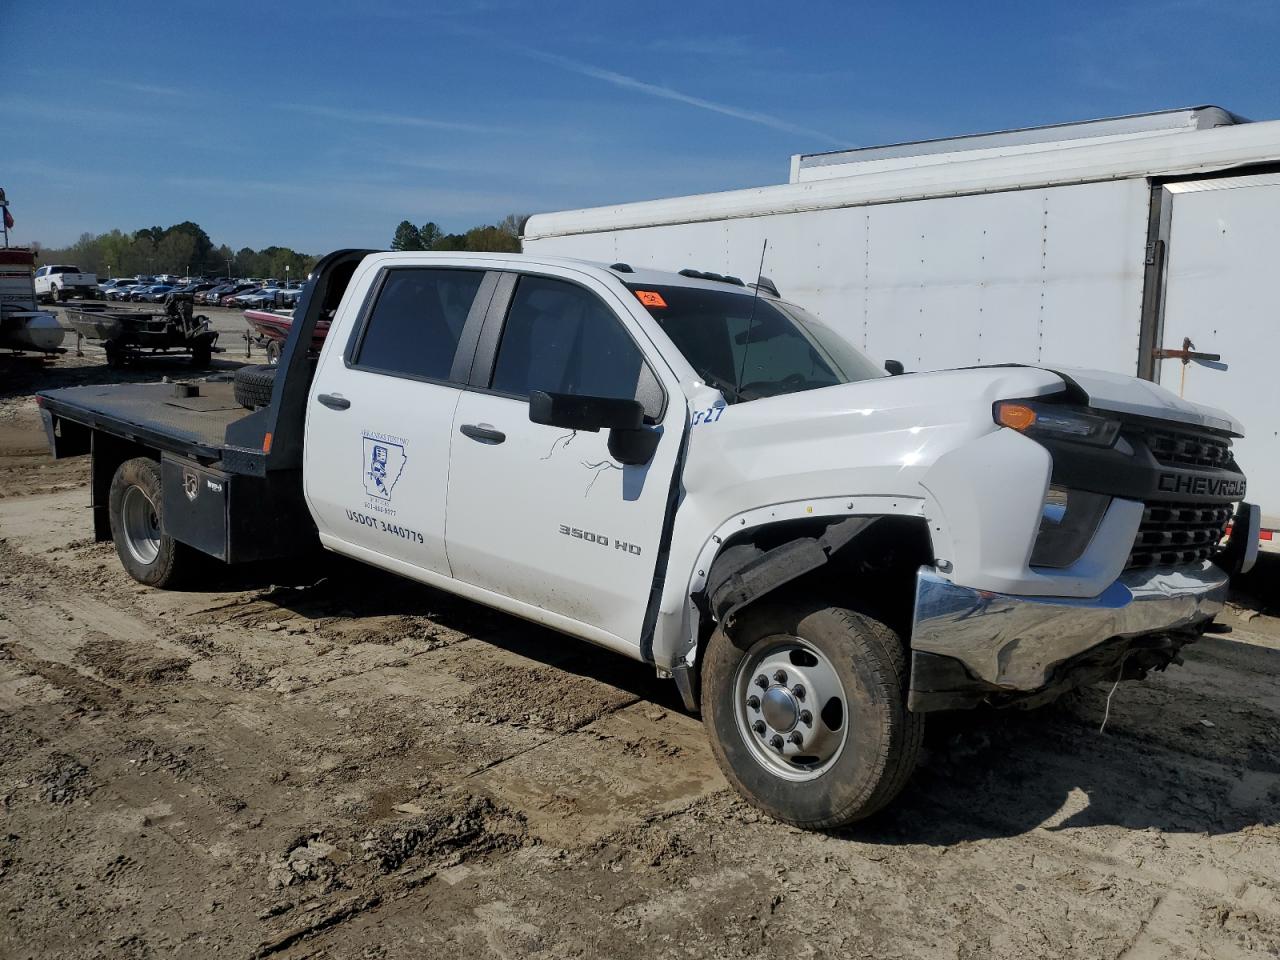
(380,413)
(1221,294)
(542,514)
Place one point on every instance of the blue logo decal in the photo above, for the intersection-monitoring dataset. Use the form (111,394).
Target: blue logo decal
(383,464)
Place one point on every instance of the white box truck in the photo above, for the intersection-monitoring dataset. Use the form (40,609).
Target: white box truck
(1140,245)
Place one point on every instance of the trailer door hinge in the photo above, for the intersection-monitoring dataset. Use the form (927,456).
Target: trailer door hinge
(1153,252)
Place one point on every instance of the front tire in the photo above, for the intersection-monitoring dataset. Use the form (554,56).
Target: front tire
(136,509)
(827,738)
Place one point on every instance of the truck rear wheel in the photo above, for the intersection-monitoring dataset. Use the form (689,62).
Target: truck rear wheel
(806,709)
(136,510)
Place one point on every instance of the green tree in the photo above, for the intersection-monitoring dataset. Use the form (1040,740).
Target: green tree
(491,239)
(450,241)
(220,256)
(430,233)
(175,252)
(406,237)
(201,246)
(513,224)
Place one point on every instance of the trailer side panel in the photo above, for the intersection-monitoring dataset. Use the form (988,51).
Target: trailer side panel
(1035,276)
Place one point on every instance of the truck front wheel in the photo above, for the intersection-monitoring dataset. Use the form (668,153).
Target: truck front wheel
(806,709)
(136,509)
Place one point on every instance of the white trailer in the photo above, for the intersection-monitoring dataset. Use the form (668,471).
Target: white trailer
(1140,245)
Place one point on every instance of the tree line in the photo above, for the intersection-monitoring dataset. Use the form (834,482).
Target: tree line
(184,249)
(501,237)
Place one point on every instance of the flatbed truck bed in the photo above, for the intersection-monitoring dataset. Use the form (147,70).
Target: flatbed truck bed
(232,476)
(189,419)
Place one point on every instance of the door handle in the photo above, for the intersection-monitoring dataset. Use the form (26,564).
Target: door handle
(334,401)
(482,432)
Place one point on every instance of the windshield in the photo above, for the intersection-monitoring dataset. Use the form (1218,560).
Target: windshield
(786,350)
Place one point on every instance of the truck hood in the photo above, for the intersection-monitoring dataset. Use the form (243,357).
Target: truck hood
(1142,398)
(881,436)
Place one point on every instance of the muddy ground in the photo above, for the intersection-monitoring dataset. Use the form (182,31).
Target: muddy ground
(325,761)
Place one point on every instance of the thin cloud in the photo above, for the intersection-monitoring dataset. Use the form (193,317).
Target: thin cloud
(145,88)
(393,197)
(388,119)
(666,93)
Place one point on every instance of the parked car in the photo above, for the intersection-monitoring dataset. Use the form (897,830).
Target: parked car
(289,296)
(58,282)
(106,286)
(257,298)
(193,287)
(155,293)
(125,290)
(212,293)
(819,555)
(228,300)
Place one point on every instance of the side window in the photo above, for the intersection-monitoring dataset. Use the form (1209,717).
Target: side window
(562,339)
(414,326)
(42,271)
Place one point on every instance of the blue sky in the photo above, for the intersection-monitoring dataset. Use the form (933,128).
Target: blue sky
(323,125)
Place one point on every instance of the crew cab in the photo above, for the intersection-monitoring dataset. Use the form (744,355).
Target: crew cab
(700,475)
(58,282)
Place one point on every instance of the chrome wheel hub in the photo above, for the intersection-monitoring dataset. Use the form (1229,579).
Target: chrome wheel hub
(779,709)
(791,707)
(141,525)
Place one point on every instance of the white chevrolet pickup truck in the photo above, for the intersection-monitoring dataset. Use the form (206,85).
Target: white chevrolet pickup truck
(61,281)
(697,474)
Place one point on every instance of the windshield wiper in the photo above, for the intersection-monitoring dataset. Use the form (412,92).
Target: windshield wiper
(721,384)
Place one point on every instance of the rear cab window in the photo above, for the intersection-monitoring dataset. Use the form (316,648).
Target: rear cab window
(416,322)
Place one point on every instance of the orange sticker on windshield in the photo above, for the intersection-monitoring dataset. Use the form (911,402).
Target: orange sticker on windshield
(650,298)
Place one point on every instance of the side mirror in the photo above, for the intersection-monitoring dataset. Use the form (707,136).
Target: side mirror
(630,441)
(584,413)
(895,368)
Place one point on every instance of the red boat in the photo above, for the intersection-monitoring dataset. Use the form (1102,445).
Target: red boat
(272,326)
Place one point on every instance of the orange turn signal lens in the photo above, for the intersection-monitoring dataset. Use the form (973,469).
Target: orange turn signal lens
(1017,416)
(266,443)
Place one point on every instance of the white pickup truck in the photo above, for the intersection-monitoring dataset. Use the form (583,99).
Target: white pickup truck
(699,475)
(61,281)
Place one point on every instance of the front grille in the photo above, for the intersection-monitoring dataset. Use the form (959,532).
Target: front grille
(1175,533)
(1189,449)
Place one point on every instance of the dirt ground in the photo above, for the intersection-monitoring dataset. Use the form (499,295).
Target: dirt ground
(326,761)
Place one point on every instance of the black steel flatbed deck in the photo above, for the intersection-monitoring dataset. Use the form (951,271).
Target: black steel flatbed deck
(190,419)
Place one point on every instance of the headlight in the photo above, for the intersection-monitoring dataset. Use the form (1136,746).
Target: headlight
(1055,422)
(1068,521)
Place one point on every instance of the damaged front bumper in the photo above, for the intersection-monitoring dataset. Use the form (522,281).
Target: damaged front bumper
(969,646)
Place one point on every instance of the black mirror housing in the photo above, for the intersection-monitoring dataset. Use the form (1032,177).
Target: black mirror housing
(634,447)
(895,368)
(592,414)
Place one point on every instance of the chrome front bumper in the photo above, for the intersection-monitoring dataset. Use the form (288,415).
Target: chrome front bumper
(1014,642)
